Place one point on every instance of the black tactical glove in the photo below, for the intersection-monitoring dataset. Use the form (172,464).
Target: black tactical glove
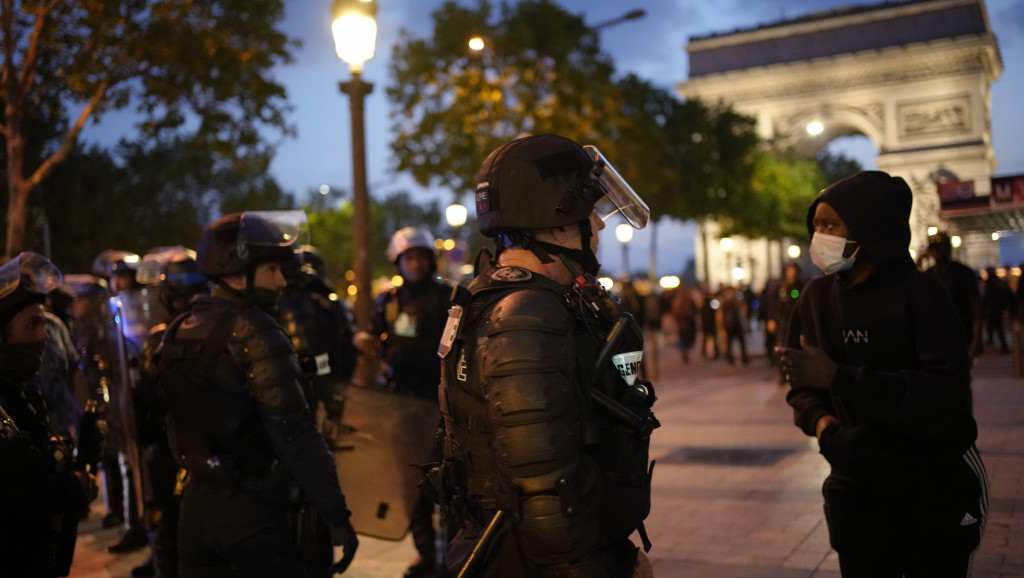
(808,367)
(343,535)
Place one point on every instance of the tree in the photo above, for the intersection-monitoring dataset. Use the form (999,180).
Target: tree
(542,72)
(182,63)
(144,195)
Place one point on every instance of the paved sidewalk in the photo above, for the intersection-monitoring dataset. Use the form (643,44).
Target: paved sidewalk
(737,486)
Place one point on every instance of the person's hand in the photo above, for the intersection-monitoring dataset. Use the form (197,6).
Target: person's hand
(365,342)
(346,543)
(807,367)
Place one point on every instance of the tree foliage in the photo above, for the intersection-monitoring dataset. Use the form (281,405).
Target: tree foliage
(196,67)
(542,71)
(144,195)
(331,230)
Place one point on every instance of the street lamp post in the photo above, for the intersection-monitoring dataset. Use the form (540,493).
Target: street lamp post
(355,33)
(631,15)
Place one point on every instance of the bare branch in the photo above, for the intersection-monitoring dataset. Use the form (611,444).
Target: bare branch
(28,72)
(71,137)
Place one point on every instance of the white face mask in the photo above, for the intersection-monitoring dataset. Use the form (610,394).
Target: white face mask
(827,253)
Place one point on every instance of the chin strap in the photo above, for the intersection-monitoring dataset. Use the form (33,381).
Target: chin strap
(584,257)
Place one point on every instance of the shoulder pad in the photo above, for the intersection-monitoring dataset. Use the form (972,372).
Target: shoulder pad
(530,310)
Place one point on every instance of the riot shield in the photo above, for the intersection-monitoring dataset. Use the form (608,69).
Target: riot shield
(383,436)
(134,313)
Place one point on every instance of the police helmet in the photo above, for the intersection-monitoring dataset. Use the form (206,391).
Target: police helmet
(175,272)
(237,243)
(115,262)
(544,181)
(25,280)
(313,263)
(409,238)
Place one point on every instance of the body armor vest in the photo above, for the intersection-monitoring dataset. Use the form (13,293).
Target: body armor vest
(214,424)
(607,415)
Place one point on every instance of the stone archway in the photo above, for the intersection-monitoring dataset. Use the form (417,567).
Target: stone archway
(913,77)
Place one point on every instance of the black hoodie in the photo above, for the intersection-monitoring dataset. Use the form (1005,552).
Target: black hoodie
(902,389)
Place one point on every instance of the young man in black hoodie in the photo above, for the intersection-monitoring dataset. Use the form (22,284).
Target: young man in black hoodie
(879,373)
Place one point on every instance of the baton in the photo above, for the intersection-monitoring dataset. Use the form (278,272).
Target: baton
(472,562)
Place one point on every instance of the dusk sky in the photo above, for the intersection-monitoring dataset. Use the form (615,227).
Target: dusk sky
(652,47)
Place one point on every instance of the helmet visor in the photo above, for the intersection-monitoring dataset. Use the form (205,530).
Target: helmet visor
(291,228)
(152,265)
(30,271)
(619,196)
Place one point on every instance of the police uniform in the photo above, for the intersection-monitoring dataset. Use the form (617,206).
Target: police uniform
(239,423)
(547,428)
(42,491)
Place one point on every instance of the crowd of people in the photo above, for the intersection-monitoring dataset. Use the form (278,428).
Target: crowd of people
(203,392)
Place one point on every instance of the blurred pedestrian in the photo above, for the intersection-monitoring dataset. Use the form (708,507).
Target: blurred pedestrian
(709,347)
(684,313)
(962,284)
(879,374)
(729,318)
(996,301)
(787,294)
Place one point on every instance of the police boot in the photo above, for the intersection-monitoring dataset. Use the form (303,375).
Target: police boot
(113,492)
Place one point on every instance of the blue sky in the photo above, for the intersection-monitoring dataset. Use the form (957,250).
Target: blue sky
(651,47)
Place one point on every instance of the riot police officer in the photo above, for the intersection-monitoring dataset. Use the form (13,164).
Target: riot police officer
(129,316)
(42,492)
(321,328)
(175,274)
(237,418)
(547,428)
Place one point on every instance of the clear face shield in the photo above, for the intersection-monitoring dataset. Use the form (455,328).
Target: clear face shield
(30,272)
(286,229)
(151,267)
(618,197)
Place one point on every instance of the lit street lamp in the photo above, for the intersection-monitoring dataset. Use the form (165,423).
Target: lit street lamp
(355,33)
(456,215)
(624,233)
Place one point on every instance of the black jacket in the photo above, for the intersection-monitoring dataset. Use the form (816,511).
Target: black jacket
(902,389)
(247,414)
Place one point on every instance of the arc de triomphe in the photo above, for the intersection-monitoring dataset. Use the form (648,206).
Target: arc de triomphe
(913,77)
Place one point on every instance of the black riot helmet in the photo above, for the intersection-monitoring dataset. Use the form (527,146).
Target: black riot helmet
(25,280)
(175,273)
(543,181)
(235,244)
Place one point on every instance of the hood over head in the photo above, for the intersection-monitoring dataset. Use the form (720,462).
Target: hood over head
(876,208)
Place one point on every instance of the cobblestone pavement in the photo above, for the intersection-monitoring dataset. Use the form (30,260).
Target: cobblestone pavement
(736,486)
